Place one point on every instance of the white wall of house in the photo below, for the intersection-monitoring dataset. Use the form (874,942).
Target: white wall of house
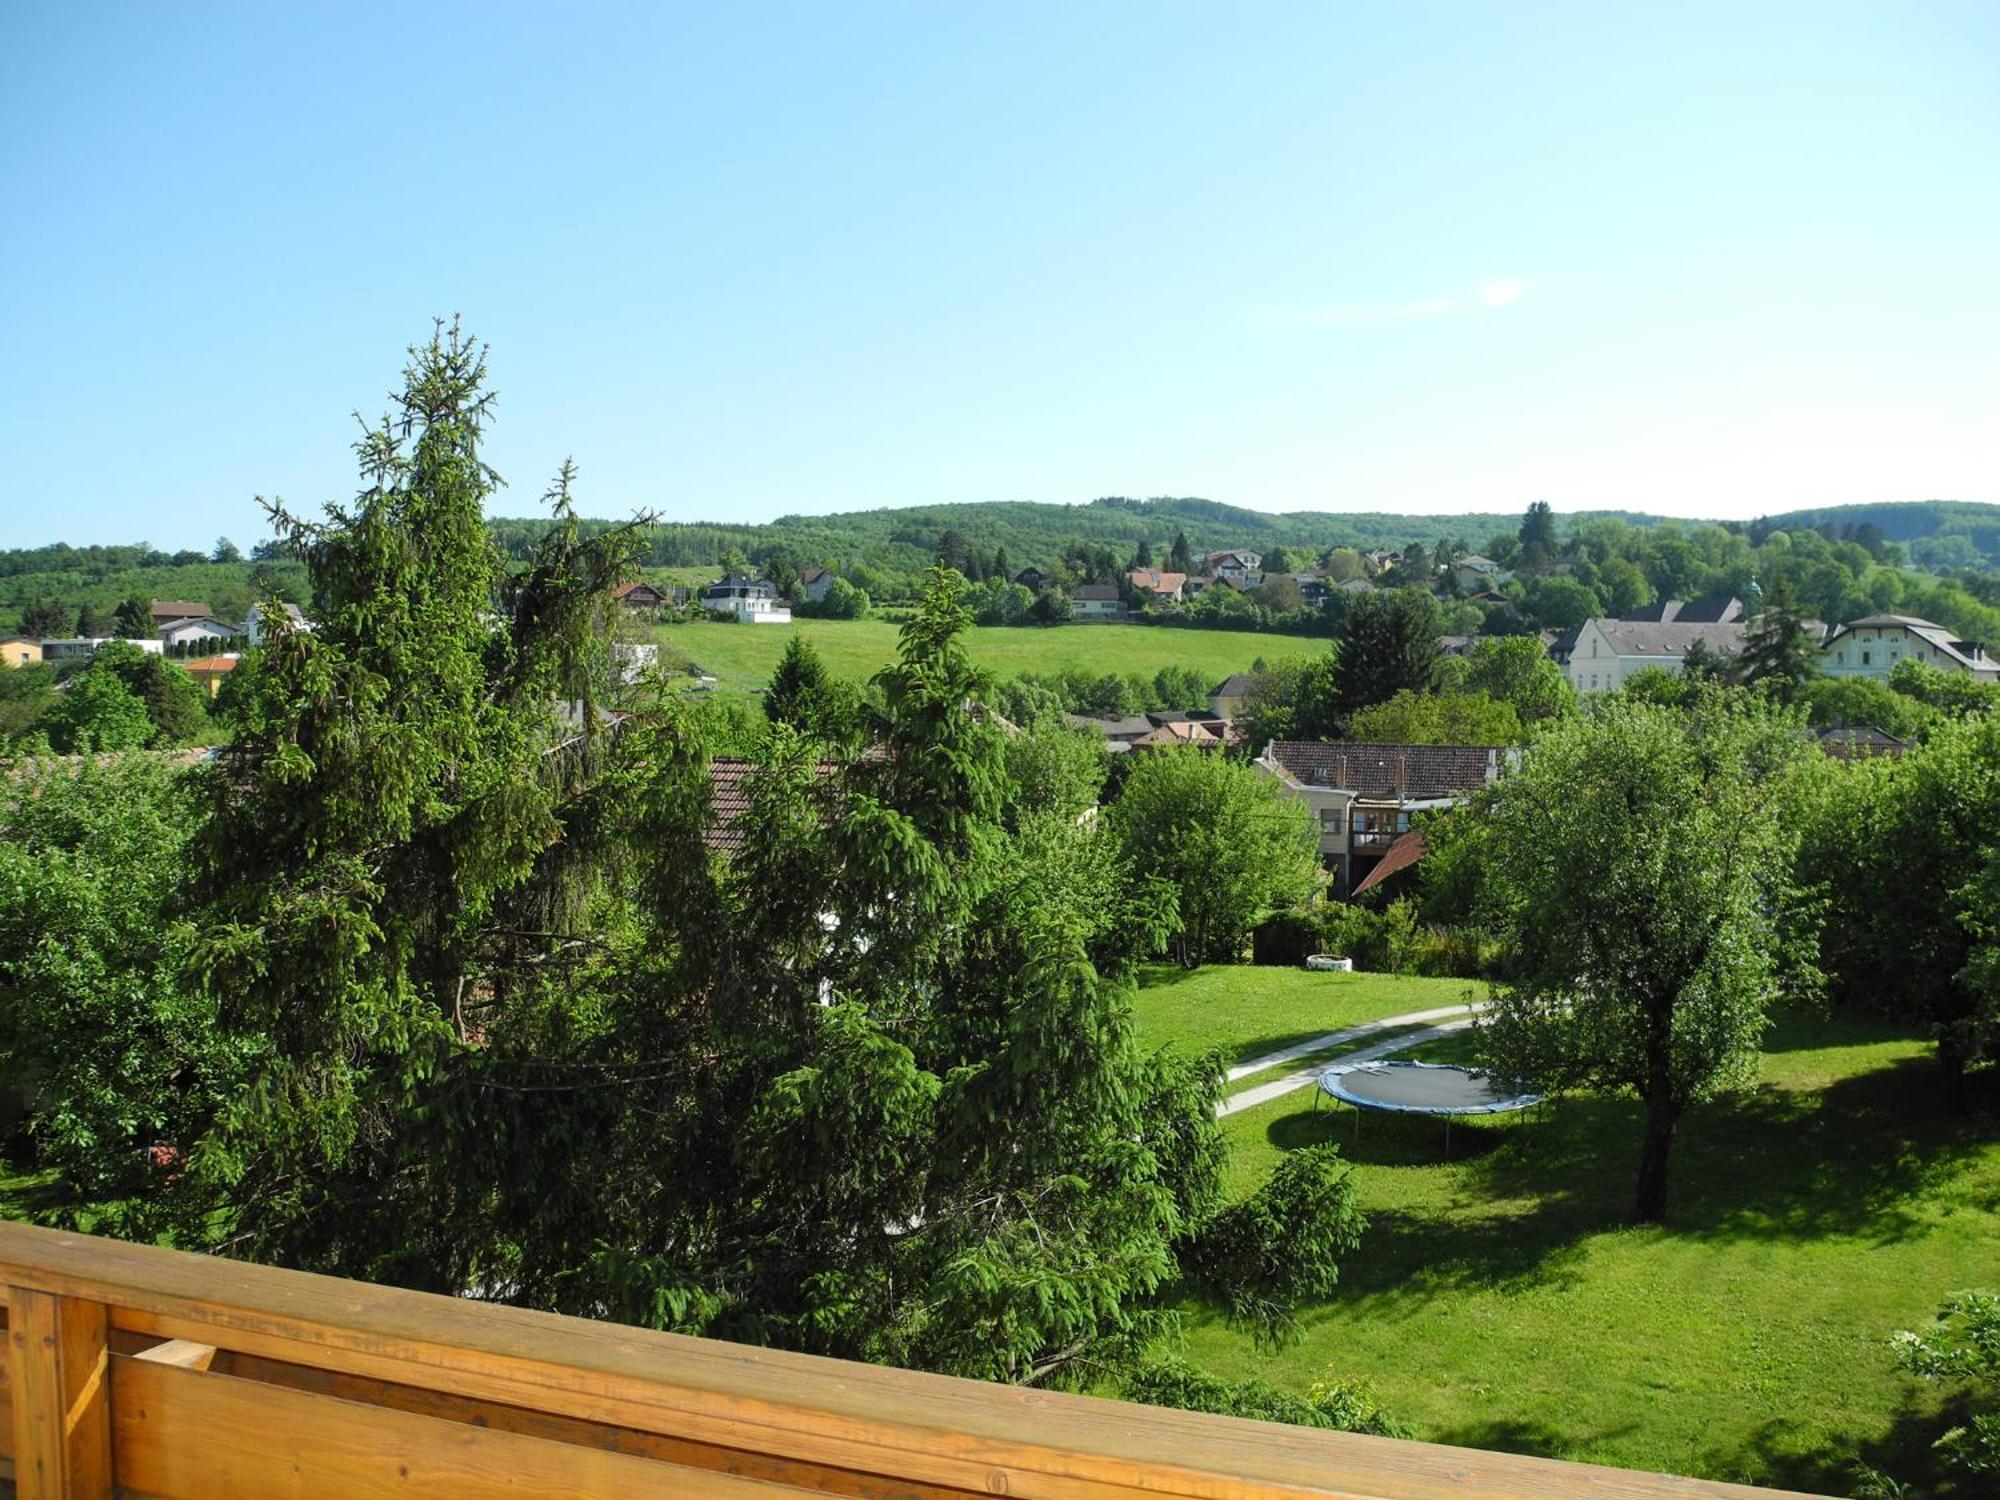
(184,632)
(1877,650)
(1096,611)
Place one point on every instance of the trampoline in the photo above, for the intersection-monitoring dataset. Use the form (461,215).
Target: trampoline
(1419,1088)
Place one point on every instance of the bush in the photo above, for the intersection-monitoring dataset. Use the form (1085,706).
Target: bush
(1338,1405)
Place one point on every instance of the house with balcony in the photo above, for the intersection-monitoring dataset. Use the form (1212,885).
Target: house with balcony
(1875,645)
(751,601)
(1367,796)
(1238,568)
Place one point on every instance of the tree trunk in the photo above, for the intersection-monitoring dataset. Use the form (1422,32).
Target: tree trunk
(1951,1057)
(1661,1117)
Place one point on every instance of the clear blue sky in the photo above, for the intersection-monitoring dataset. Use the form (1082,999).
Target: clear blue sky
(741,260)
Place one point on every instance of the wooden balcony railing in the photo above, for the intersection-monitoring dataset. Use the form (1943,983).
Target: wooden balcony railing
(139,1371)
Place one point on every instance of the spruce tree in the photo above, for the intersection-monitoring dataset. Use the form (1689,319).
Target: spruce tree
(1779,653)
(1180,559)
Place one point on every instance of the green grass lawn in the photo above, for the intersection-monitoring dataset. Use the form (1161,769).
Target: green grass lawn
(1500,1300)
(741,657)
(1248,1010)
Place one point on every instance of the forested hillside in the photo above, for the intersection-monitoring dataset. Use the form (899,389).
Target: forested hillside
(886,551)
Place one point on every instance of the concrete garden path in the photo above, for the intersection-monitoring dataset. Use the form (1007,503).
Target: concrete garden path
(1451,1018)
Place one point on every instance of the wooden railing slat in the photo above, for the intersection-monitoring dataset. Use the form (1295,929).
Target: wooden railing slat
(182,1434)
(926,1429)
(59,1395)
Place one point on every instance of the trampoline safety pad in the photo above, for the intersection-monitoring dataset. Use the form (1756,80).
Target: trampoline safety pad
(1418,1088)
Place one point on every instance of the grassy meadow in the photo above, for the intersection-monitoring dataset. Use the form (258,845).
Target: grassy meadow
(1247,1010)
(1501,1300)
(741,657)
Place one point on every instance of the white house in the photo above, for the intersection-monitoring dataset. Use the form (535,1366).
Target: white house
(184,633)
(751,600)
(1607,652)
(814,582)
(253,624)
(1096,603)
(1873,645)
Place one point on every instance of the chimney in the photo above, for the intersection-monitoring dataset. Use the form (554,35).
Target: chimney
(1492,766)
(1403,775)
(1343,770)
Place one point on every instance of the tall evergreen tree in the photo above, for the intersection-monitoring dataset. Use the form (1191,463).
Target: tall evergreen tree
(42,618)
(803,695)
(1779,653)
(1538,533)
(388,854)
(133,619)
(1180,559)
(92,622)
(1142,557)
(1390,644)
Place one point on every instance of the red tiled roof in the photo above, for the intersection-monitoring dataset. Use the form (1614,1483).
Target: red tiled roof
(212,664)
(1405,852)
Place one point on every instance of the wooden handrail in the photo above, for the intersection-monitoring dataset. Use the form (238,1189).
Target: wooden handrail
(169,1374)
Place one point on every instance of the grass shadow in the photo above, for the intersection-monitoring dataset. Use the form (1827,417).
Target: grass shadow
(1776,1455)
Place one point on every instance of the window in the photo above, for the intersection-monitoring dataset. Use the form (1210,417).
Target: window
(1329,820)
(1864,658)
(1593,682)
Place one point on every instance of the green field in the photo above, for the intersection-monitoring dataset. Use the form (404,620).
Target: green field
(1500,1300)
(741,657)
(1249,1010)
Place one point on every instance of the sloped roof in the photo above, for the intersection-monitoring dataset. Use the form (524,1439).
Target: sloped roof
(1714,609)
(1157,580)
(1095,591)
(1179,732)
(1668,640)
(180,609)
(1858,741)
(1405,852)
(1414,773)
(1236,685)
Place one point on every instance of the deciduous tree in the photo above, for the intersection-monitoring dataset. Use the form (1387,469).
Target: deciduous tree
(1636,868)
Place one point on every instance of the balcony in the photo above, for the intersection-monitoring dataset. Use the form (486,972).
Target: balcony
(1373,840)
(147,1372)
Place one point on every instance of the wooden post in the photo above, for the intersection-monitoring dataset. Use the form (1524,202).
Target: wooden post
(59,1368)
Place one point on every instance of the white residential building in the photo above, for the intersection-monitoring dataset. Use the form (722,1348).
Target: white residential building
(183,633)
(1874,645)
(1607,652)
(1236,567)
(751,600)
(1096,603)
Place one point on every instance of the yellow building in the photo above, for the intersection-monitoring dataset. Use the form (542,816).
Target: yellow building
(19,651)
